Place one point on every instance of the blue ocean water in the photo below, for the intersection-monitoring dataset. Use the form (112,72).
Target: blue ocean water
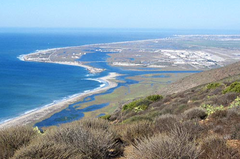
(25,86)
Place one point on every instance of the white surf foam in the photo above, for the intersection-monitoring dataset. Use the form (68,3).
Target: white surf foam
(21,57)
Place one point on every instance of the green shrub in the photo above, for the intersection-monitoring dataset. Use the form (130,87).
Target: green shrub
(14,138)
(213,85)
(137,105)
(211,109)
(140,108)
(234,87)
(105,117)
(154,97)
(195,113)
(235,103)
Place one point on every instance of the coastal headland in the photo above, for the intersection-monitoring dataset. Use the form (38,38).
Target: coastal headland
(179,53)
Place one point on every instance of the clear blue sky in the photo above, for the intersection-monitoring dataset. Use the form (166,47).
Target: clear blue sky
(179,14)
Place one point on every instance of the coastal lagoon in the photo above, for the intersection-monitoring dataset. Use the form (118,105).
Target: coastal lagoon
(27,86)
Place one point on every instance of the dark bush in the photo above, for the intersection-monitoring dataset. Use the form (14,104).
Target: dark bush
(225,99)
(195,113)
(217,91)
(14,138)
(168,98)
(235,109)
(235,132)
(192,127)
(219,129)
(232,114)
(154,97)
(219,114)
(216,148)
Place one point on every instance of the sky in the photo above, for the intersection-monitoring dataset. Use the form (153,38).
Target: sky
(162,14)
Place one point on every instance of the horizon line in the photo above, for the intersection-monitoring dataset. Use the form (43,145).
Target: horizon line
(114,28)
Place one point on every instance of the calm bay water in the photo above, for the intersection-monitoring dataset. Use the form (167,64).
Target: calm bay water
(25,86)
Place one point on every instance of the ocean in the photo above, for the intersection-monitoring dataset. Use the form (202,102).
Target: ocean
(27,86)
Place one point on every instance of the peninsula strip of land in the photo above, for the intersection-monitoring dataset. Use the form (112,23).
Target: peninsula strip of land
(188,52)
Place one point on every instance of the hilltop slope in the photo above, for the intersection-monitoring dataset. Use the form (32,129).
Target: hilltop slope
(201,78)
(198,123)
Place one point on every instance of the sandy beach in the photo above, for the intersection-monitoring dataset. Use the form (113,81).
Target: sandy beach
(72,63)
(44,112)
(92,70)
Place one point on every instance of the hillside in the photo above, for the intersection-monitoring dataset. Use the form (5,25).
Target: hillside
(202,78)
(199,121)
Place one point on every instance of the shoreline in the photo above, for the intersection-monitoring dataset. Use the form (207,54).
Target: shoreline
(91,69)
(36,115)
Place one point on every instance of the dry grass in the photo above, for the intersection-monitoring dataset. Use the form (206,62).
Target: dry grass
(165,123)
(172,146)
(136,131)
(168,129)
(13,139)
(131,133)
(46,150)
(94,123)
(87,139)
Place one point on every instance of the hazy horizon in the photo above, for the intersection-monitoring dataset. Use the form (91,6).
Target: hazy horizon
(141,14)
